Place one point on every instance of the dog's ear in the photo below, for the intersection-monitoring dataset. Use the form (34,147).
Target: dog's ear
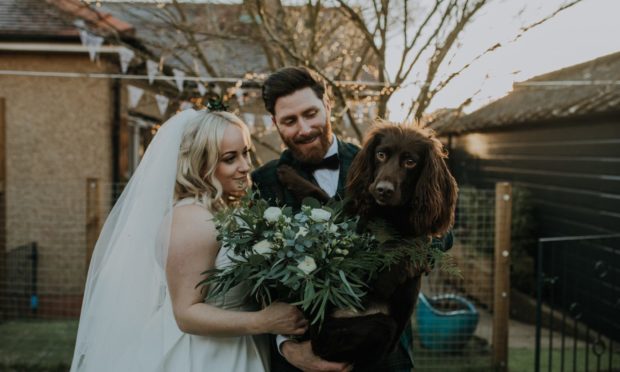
(435,195)
(361,174)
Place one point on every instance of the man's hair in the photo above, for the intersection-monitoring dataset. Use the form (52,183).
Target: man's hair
(288,80)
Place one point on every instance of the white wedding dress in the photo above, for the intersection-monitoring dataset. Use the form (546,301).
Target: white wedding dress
(126,322)
(202,354)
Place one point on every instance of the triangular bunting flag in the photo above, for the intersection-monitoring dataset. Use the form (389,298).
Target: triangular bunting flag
(162,103)
(92,43)
(248,118)
(239,94)
(125,55)
(135,94)
(179,78)
(201,89)
(151,70)
(217,90)
(267,122)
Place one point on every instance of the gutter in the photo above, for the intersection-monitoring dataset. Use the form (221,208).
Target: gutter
(55,47)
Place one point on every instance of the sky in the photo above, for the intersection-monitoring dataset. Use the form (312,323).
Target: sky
(583,32)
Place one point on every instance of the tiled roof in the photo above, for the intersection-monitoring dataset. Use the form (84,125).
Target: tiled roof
(34,18)
(568,94)
(53,18)
(229,56)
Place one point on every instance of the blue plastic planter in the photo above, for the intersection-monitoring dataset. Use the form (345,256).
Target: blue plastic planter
(445,330)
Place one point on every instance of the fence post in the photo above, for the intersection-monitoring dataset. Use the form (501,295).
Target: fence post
(3,238)
(501,275)
(93,202)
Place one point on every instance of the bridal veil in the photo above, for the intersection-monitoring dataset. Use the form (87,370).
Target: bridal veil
(123,314)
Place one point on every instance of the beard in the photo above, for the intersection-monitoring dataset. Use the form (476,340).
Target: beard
(311,154)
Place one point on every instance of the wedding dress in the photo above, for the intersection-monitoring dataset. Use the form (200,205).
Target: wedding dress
(244,353)
(126,322)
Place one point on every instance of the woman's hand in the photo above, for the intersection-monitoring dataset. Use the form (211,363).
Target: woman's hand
(281,318)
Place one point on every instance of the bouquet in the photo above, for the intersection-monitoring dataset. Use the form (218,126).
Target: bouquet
(315,258)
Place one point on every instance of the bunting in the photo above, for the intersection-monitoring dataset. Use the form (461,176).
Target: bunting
(91,41)
(249,119)
(179,78)
(135,94)
(267,122)
(201,89)
(151,70)
(125,55)
(162,103)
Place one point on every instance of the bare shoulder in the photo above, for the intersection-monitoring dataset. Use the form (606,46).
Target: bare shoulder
(192,225)
(192,212)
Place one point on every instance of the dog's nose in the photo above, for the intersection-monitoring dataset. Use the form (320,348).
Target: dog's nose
(385,188)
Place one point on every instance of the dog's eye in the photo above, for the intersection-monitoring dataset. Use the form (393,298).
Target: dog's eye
(381,156)
(409,163)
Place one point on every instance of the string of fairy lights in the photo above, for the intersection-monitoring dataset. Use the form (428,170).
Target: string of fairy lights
(363,94)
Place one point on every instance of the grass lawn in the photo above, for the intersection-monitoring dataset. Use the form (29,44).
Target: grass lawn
(47,346)
(473,357)
(522,360)
(37,345)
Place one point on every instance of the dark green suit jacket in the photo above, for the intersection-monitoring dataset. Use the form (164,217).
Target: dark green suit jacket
(265,178)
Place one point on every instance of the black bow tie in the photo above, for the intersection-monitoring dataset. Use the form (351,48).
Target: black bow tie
(330,162)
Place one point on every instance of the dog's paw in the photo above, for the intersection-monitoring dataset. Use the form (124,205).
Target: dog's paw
(289,177)
(299,186)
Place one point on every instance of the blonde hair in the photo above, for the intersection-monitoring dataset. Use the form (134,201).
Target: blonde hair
(199,155)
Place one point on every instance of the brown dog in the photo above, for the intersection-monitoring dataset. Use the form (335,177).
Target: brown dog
(400,176)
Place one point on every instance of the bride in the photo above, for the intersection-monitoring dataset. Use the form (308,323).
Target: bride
(141,309)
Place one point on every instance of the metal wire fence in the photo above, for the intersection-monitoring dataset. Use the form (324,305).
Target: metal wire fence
(452,323)
(50,232)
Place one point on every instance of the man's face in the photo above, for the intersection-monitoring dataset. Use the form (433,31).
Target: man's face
(303,122)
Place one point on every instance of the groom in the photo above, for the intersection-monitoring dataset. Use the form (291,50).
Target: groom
(300,109)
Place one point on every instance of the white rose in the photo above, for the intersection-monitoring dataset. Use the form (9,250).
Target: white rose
(272,214)
(307,265)
(302,232)
(263,247)
(319,215)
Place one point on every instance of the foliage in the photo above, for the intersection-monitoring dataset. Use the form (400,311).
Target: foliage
(315,258)
(523,241)
(476,219)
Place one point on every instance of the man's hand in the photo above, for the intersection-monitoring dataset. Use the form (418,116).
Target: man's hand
(301,356)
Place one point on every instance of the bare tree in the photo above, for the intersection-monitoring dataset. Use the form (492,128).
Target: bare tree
(429,34)
(346,42)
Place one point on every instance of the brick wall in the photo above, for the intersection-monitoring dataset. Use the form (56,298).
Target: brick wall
(58,134)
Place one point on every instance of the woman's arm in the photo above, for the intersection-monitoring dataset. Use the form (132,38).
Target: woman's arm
(193,249)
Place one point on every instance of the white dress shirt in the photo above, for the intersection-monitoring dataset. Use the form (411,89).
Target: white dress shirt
(328,178)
